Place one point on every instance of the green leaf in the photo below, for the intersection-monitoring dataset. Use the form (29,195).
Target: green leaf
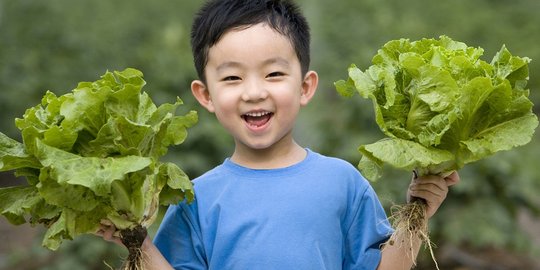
(177,185)
(83,109)
(504,136)
(97,174)
(57,231)
(370,167)
(13,155)
(362,82)
(177,129)
(16,202)
(76,197)
(345,88)
(407,155)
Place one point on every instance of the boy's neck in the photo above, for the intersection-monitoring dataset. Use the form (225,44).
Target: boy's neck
(269,158)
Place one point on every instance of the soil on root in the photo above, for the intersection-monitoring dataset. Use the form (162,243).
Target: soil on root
(410,223)
(133,240)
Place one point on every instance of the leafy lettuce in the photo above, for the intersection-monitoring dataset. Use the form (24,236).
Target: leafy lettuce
(441,106)
(94,154)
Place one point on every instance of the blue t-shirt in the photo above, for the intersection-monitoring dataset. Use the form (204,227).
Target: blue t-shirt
(317,214)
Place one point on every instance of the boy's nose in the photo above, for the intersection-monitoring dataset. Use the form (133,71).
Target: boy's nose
(254,91)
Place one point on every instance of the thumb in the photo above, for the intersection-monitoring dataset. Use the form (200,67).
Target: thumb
(452,179)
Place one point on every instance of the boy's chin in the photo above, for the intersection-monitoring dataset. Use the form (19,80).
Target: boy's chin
(258,146)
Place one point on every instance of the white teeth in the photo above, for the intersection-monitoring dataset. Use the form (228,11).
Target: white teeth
(257,114)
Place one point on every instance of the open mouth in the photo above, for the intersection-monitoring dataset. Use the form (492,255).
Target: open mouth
(257,119)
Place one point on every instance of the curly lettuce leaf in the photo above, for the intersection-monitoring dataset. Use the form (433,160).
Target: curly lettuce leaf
(13,155)
(96,174)
(15,202)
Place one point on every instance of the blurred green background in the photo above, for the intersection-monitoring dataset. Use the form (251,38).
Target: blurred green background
(490,220)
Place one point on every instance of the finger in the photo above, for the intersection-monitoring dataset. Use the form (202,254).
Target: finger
(108,235)
(452,179)
(429,187)
(429,182)
(433,199)
(429,196)
(422,183)
(106,222)
(99,232)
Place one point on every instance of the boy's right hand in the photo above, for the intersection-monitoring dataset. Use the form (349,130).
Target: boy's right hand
(108,231)
(153,259)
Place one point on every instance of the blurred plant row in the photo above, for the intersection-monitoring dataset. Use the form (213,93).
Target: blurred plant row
(52,45)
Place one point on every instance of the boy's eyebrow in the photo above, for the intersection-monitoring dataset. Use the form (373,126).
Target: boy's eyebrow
(229,64)
(274,60)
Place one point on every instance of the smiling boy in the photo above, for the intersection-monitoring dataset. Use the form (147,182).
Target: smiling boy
(273,204)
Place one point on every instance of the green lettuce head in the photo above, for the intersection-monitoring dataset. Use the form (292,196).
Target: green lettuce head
(93,154)
(441,106)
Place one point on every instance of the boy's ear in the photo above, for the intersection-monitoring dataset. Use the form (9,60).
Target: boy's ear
(201,93)
(309,87)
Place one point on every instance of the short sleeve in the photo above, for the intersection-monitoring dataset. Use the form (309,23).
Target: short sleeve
(178,238)
(369,229)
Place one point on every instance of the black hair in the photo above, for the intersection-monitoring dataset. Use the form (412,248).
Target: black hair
(217,17)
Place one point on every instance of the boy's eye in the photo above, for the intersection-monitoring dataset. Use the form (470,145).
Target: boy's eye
(231,78)
(275,74)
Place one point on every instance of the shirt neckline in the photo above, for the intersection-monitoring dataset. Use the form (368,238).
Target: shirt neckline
(297,167)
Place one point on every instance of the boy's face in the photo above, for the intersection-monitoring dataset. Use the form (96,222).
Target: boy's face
(255,87)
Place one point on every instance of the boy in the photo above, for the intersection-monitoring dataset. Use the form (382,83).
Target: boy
(273,204)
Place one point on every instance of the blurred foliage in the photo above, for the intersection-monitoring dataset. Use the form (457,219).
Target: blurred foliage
(52,45)
(84,253)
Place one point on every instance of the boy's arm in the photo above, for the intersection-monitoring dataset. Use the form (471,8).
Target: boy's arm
(152,258)
(433,189)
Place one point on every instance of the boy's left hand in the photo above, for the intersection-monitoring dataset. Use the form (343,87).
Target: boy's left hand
(433,189)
